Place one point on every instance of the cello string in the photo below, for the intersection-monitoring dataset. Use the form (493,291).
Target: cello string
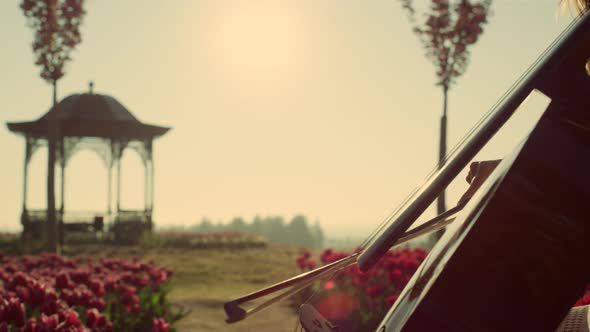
(492,110)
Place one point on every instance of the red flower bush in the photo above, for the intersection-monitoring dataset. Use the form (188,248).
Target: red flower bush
(49,293)
(360,300)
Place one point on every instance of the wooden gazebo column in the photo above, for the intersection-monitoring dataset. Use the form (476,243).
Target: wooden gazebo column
(115,162)
(109,187)
(24,218)
(62,178)
(146,172)
(118,163)
(28,153)
(152,176)
(149,180)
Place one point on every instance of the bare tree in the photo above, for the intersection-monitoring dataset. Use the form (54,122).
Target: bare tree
(446,34)
(56,26)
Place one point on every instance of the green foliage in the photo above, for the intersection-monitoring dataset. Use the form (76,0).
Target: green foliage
(297,231)
(318,235)
(238,224)
(300,233)
(206,225)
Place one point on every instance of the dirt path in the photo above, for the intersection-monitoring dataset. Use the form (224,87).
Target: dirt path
(208,315)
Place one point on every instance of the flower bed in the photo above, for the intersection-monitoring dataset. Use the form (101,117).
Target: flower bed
(51,293)
(357,300)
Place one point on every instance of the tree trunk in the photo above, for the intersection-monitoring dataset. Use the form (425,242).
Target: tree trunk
(52,135)
(440,203)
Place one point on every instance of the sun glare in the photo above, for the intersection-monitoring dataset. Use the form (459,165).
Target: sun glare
(257,39)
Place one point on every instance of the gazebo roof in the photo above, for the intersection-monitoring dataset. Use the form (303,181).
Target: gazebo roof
(90,115)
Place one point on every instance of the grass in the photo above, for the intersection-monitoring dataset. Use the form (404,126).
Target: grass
(222,273)
(209,273)
(233,240)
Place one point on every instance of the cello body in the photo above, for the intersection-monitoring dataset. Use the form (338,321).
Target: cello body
(516,260)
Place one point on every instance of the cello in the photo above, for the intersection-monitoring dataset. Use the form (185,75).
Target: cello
(512,257)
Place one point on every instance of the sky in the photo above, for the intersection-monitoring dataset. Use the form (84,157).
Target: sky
(277,107)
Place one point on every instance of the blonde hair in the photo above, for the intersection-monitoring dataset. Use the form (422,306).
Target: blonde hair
(581,6)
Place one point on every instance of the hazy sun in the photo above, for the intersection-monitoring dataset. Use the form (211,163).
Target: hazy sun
(257,38)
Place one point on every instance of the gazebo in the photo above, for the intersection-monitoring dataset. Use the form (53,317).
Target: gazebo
(98,122)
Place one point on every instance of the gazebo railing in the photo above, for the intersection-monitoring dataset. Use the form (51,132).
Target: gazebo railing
(133,216)
(81,221)
(34,215)
(40,215)
(126,226)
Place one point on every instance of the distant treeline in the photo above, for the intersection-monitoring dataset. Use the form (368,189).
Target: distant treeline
(297,231)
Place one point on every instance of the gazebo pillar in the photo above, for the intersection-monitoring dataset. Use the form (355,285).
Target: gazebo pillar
(152,186)
(62,178)
(149,178)
(146,172)
(28,152)
(109,188)
(24,218)
(118,161)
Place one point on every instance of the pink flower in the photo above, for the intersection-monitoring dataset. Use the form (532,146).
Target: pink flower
(92,317)
(71,318)
(396,277)
(97,303)
(306,254)
(326,256)
(390,300)
(15,312)
(62,280)
(24,294)
(30,326)
(160,325)
(47,323)
(301,262)
(96,286)
(375,291)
